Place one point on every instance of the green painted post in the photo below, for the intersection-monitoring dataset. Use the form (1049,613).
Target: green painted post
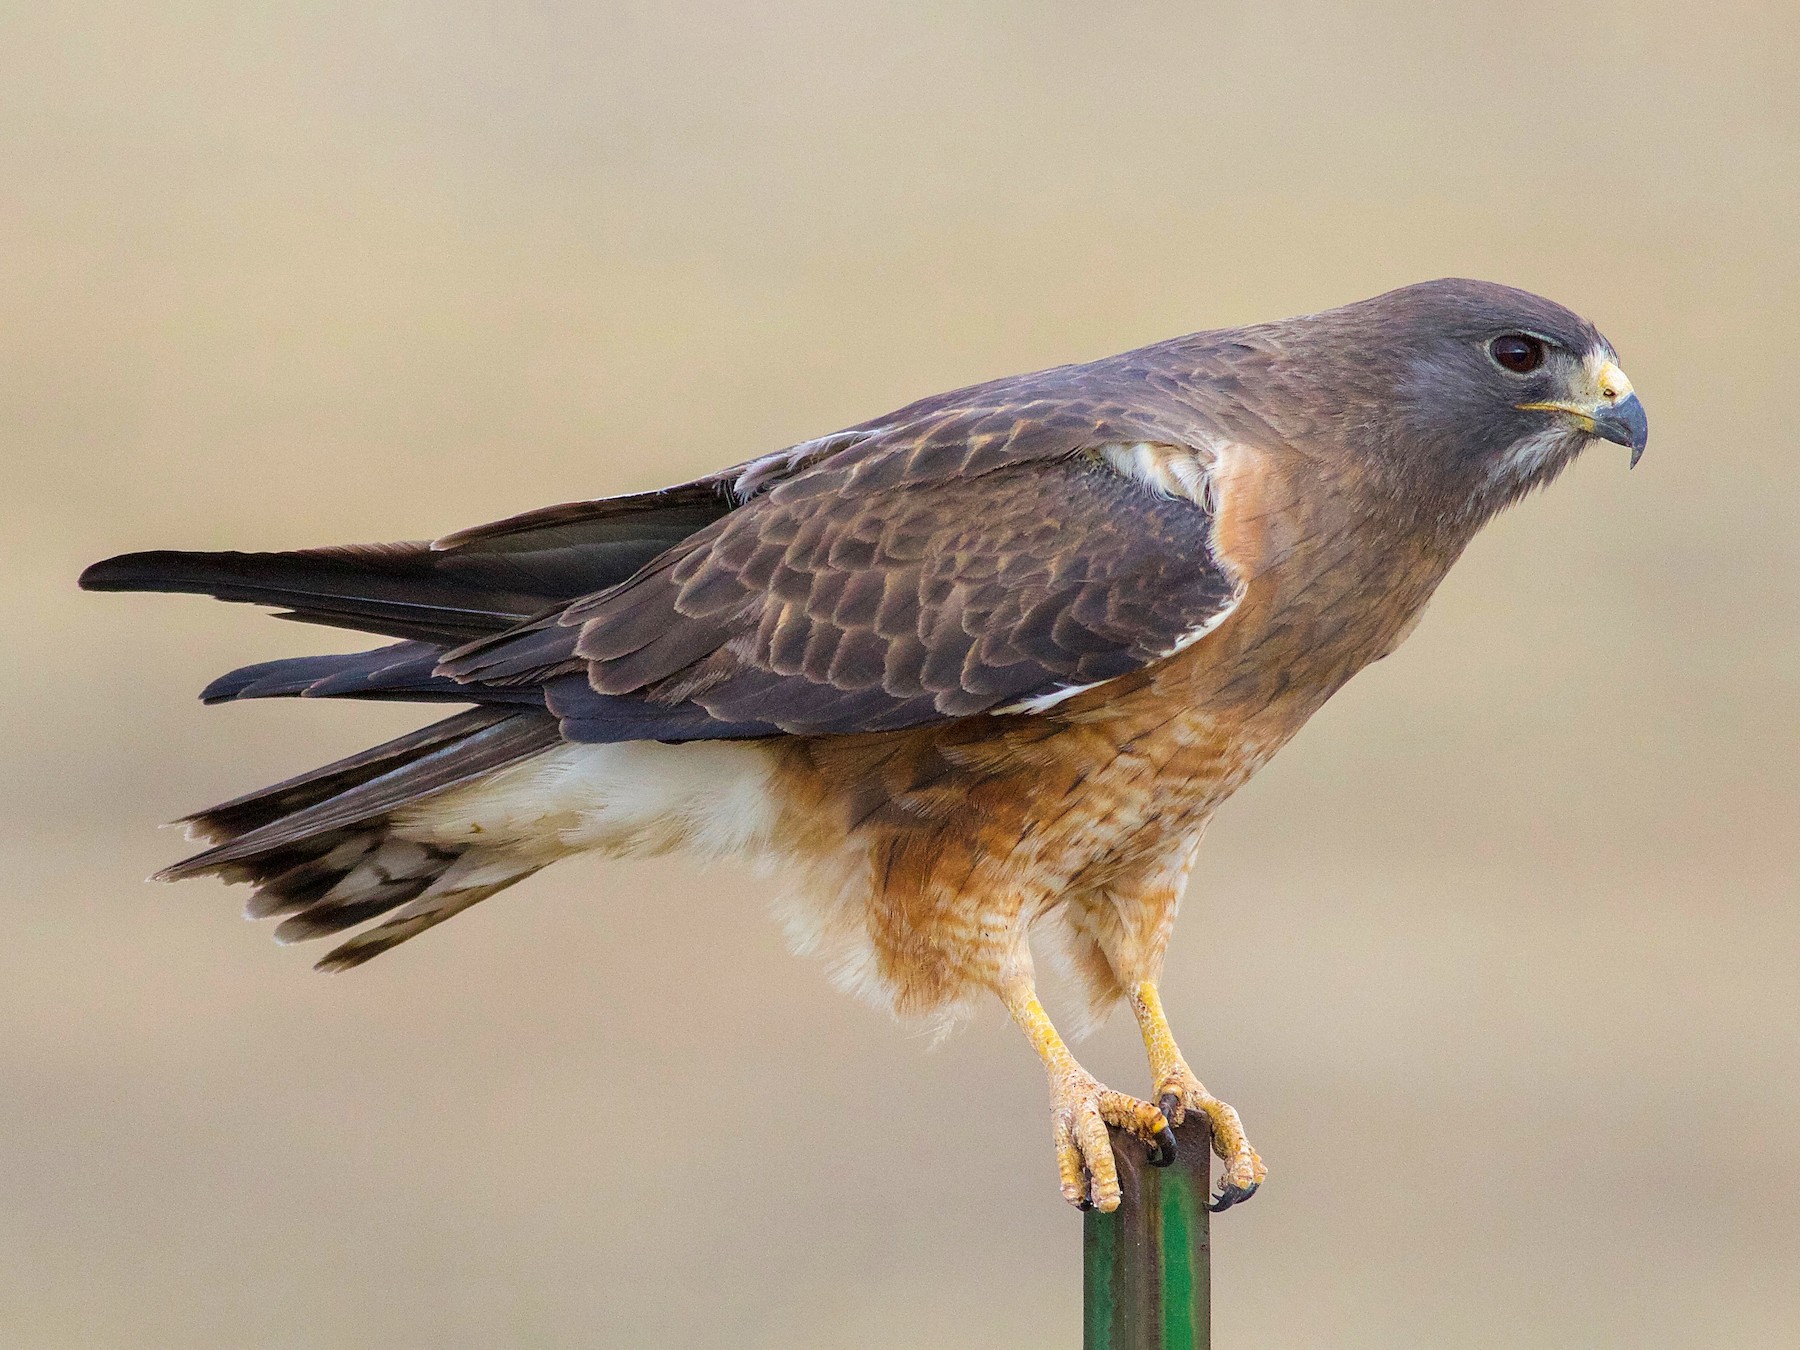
(1147,1266)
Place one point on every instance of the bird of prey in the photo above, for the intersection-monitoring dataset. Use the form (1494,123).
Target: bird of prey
(976,670)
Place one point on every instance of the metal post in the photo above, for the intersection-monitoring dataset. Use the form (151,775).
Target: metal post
(1147,1266)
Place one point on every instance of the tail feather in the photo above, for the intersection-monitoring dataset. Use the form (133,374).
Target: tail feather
(328,850)
(229,819)
(454,892)
(323,852)
(478,752)
(285,887)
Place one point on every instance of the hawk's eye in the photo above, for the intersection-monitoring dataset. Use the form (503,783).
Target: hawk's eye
(1517,352)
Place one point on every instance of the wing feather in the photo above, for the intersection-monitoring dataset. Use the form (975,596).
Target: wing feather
(968,563)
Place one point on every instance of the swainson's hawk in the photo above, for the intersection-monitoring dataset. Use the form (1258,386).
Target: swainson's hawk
(990,659)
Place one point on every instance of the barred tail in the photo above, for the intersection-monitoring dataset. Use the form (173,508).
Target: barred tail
(323,852)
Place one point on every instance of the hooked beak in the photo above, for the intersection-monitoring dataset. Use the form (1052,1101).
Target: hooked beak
(1614,414)
(1624,424)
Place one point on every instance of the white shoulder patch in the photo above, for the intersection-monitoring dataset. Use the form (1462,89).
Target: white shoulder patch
(1173,471)
(1167,470)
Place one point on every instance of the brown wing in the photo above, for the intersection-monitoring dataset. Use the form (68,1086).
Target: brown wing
(973,564)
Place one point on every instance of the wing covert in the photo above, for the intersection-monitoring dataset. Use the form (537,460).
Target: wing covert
(963,568)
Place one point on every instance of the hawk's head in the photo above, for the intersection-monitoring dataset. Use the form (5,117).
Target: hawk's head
(1476,393)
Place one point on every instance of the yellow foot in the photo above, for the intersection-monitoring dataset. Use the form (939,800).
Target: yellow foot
(1080,1111)
(1180,1092)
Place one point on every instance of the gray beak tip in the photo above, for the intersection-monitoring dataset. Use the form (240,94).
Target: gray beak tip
(1625,424)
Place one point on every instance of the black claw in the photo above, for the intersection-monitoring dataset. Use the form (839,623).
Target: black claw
(1084,1204)
(1160,1151)
(1168,1104)
(1232,1195)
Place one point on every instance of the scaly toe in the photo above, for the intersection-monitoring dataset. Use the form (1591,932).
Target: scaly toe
(1085,1165)
(1084,1160)
(1140,1118)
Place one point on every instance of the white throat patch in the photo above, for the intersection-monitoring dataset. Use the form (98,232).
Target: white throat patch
(1527,457)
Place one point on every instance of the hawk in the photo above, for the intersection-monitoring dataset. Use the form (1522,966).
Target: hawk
(975,671)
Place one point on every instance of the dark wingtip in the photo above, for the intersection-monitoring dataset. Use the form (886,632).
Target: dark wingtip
(156,570)
(112,574)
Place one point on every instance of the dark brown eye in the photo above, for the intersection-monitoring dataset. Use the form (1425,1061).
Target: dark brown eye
(1518,353)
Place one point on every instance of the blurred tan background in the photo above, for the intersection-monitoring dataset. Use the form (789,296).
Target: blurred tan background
(1512,1006)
